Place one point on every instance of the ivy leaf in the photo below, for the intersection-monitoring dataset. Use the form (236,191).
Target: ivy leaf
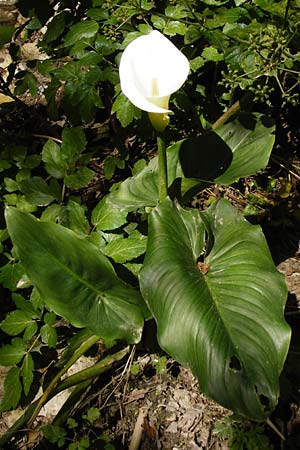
(12,390)
(12,354)
(27,372)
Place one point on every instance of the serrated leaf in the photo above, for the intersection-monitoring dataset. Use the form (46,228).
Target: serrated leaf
(81,30)
(27,372)
(123,250)
(48,335)
(12,354)
(106,216)
(175,27)
(125,110)
(237,339)
(75,279)
(12,390)
(16,322)
(212,54)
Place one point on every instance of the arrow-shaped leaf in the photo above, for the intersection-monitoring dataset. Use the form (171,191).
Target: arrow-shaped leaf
(223,316)
(75,279)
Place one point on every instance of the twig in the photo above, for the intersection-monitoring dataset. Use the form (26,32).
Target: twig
(138,429)
(44,136)
(227,114)
(274,428)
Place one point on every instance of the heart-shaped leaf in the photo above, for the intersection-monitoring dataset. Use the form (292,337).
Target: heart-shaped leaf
(237,149)
(222,316)
(75,279)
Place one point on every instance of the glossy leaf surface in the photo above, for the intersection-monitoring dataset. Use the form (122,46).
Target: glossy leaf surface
(235,150)
(222,317)
(75,279)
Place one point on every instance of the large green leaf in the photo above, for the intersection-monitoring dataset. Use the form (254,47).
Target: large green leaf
(74,279)
(237,149)
(222,317)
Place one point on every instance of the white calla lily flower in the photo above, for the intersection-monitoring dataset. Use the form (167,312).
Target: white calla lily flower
(151,69)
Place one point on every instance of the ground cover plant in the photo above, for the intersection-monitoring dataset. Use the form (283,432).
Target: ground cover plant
(113,195)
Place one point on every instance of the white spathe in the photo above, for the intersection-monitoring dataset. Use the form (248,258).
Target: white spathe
(151,69)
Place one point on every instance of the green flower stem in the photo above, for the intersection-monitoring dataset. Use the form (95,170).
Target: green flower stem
(79,352)
(83,378)
(91,372)
(162,167)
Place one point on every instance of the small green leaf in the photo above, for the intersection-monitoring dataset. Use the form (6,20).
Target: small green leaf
(55,27)
(27,372)
(48,335)
(54,434)
(12,390)
(12,354)
(123,250)
(49,318)
(6,33)
(10,275)
(212,54)
(158,22)
(37,192)
(76,218)
(52,157)
(16,322)
(28,83)
(80,179)
(51,213)
(175,27)
(10,184)
(106,216)
(92,415)
(30,331)
(125,110)
(81,30)
(23,304)
(73,143)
